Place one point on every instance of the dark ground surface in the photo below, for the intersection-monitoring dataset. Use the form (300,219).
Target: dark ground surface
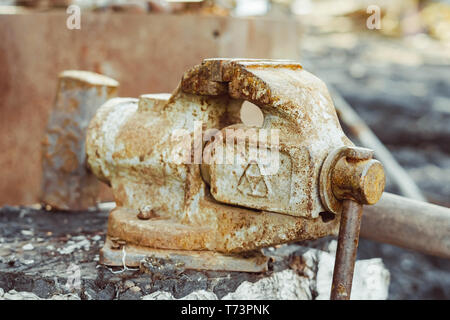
(405,100)
(44,270)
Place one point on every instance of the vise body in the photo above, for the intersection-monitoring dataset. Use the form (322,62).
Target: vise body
(193,182)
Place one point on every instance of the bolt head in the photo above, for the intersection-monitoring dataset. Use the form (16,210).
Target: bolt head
(372,182)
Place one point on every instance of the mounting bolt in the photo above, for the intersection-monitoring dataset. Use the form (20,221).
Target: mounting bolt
(146,213)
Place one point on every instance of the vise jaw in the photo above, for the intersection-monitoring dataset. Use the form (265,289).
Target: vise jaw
(190,179)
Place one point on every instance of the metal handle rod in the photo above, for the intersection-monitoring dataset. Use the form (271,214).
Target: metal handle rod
(346,250)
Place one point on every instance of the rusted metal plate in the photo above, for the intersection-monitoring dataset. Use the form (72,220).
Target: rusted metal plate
(132,256)
(145,53)
(67,183)
(218,228)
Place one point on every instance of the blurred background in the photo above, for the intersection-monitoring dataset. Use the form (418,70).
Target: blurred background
(390,60)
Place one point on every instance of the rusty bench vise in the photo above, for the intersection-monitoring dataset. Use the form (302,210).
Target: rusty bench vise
(193,183)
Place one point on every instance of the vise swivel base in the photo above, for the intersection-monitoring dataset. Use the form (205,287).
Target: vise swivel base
(193,183)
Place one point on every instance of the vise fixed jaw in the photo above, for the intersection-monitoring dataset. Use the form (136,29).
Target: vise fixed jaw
(189,178)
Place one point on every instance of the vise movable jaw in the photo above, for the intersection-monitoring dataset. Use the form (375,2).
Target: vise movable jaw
(175,197)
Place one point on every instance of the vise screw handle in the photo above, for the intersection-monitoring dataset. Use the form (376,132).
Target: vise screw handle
(349,179)
(346,250)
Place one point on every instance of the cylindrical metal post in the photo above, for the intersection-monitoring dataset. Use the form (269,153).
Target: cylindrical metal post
(346,250)
(408,223)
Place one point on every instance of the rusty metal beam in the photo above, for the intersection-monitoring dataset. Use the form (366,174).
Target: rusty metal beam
(408,223)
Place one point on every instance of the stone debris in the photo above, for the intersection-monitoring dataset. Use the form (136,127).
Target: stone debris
(27,232)
(196,295)
(128,284)
(23,295)
(161,268)
(88,295)
(14,295)
(135,289)
(28,247)
(159,295)
(284,285)
(69,296)
(200,295)
(371,282)
(71,246)
(27,262)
